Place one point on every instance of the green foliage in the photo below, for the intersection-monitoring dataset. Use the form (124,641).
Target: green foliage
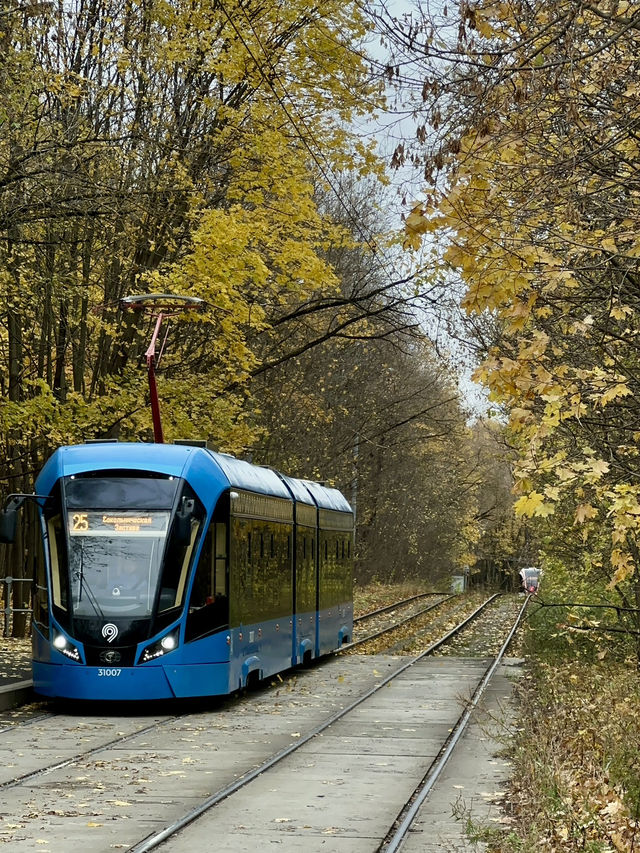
(568,619)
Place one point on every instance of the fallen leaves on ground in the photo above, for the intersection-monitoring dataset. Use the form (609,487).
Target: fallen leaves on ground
(576,784)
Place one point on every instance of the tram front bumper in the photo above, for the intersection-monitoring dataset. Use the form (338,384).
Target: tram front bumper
(108,683)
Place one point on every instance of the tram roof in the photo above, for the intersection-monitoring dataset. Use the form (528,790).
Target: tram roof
(174,459)
(316,494)
(298,490)
(253,478)
(100,456)
(326,497)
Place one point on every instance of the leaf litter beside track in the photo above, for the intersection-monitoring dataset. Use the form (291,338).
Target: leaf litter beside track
(375,595)
(415,636)
(15,659)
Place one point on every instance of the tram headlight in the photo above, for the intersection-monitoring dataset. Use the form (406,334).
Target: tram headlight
(67,648)
(161,647)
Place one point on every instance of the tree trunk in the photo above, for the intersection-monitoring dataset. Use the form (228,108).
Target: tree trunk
(59,380)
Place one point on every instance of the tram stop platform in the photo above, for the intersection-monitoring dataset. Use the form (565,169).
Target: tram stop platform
(15,672)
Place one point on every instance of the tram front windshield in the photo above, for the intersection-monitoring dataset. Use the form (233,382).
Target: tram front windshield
(114,560)
(116,542)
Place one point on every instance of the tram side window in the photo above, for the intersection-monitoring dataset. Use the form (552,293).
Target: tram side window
(209,604)
(260,588)
(178,559)
(335,570)
(60,582)
(346,580)
(277,571)
(305,572)
(220,583)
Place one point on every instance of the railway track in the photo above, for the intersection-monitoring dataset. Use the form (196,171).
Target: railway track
(450,617)
(28,714)
(388,608)
(387,620)
(411,809)
(117,786)
(32,713)
(479,635)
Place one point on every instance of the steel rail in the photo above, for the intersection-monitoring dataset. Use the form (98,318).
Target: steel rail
(408,815)
(400,603)
(43,771)
(348,646)
(30,722)
(457,628)
(151,842)
(67,762)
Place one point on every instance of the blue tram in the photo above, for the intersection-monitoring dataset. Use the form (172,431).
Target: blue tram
(174,571)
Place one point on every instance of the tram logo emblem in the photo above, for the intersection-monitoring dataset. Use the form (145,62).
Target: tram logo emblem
(109,632)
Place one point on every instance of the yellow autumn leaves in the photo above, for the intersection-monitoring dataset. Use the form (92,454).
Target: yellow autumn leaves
(537,210)
(174,147)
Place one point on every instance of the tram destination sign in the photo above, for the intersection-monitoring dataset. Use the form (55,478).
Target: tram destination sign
(92,523)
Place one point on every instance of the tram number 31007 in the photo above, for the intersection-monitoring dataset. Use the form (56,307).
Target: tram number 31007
(109,672)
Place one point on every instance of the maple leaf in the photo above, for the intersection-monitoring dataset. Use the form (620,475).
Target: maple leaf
(595,469)
(585,512)
(529,504)
(615,392)
(416,222)
(624,566)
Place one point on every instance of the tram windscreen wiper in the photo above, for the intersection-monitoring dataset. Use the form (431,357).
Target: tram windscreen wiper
(84,584)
